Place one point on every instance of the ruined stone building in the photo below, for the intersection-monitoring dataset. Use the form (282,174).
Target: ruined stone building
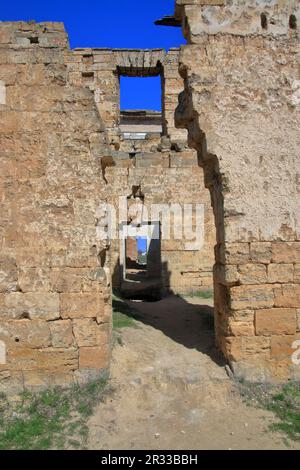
(67,149)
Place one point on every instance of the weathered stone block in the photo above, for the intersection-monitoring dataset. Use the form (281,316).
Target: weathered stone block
(252,274)
(81,305)
(286,252)
(246,316)
(240,347)
(275,321)
(31,305)
(288,295)
(227,275)
(183,159)
(7,34)
(66,279)
(237,253)
(52,359)
(174,86)
(26,333)
(61,334)
(280,273)
(152,159)
(8,274)
(34,279)
(252,297)
(88,332)
(241,328)
(297,274)
(81,257)
(94,357)
(106,317)
(261,252)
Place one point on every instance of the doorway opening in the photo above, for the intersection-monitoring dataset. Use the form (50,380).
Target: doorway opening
(141,261)
(141,106)
(141,93)
(136,258)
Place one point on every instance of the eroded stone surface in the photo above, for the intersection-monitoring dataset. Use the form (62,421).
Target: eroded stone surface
(240,107)
(63,154)
(50,187)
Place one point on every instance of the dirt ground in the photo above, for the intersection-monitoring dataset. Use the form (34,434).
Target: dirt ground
(171,390)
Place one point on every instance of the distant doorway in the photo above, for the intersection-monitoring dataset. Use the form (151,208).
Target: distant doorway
(136,258)
(141,261)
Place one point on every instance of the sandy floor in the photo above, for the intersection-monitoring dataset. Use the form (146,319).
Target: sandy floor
(171,390)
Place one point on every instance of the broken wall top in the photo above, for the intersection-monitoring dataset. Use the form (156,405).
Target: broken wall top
(30,34)
(129,62)
(240,17)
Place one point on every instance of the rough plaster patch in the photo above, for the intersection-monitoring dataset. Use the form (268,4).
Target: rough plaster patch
(240,17)
(295,99)
(2,353)
(2,92)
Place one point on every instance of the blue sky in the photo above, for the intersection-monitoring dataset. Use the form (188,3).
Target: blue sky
(107,23)
(142,244)
(141,93)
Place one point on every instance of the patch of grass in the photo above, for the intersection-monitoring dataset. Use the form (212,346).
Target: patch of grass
(123,315)
(122,321)
(53,419)
(283,401)
(205,294)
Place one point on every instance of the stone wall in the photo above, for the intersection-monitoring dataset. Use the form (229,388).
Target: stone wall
(161,166)
(55,314)
(63,155)
(241,109)
(162,177)
(100,70)
(164,168)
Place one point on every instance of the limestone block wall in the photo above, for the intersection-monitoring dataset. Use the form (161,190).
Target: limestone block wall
(100,70)
(167,178)
(172,87)
(241,109)
(55,314)
(62,155)
(162,173)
